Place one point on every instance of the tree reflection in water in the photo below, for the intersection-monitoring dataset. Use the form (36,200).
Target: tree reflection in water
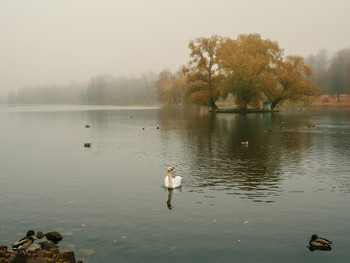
(215,159)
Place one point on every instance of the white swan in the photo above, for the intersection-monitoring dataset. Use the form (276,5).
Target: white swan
(170,182)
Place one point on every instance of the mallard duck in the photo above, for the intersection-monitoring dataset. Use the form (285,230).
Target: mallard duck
(319,242)
(24,242)
(170,182)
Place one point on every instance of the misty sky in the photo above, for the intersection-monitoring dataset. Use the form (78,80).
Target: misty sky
(58,41)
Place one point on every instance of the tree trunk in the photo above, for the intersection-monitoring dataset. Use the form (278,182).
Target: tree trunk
(274,103)
(213,105)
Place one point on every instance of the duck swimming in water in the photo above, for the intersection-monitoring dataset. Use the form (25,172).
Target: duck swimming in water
(319,243)
(246,143)
(24,242)
(170,182)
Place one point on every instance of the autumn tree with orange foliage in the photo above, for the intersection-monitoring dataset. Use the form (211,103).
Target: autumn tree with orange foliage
(289,79)
(171,88)
(245,62)
(249,67)
(203,75)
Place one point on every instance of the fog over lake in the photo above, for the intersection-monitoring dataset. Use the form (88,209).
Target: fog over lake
(57,42)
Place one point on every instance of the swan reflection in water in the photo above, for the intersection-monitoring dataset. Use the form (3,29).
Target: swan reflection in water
(170,197)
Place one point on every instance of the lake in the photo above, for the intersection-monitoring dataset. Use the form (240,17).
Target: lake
(259,203)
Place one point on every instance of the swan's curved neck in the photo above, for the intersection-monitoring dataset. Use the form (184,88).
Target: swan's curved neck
(170,179)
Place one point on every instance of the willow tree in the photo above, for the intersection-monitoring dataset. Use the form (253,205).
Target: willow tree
(245,62)
(203,75)
(289,80)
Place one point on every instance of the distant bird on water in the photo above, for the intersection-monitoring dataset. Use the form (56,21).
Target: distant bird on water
(24,242)
(87,126)
(245,143)
(170,182)
(319,243)
(87,145)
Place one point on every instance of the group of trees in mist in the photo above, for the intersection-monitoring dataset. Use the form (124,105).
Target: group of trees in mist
(331,73)
(108,89)
(249,68)
(253,70)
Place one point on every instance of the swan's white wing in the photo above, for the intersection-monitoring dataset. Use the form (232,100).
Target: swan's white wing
(177,181)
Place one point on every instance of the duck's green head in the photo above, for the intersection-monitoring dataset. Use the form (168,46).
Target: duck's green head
(30,233)
(314,237)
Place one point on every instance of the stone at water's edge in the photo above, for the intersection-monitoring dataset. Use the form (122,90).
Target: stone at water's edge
(47,244)
(5,256)
(54,236)
(40,235)
(67,256)
(2,247)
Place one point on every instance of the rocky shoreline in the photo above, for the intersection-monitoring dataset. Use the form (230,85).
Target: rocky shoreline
(48,252)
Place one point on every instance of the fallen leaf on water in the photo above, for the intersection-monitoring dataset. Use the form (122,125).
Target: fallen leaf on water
(87,252)
(214,220)
(239,240)
(123,237)
(73,246)
(83,225)
(246,222)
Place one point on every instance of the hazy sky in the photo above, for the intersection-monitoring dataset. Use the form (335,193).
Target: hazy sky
(58,41)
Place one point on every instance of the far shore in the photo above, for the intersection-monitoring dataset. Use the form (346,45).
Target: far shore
(332,100)
(321,101)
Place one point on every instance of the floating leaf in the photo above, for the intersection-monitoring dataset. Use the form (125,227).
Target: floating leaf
(71,246)
(87,252)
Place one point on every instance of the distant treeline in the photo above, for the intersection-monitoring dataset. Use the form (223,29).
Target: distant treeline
(249,68)
(50,94)
(331,72)
(102,89)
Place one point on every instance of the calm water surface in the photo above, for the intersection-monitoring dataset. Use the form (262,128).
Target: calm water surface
(237,204)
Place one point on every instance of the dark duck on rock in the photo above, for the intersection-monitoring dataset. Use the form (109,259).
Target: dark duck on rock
(24,242)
